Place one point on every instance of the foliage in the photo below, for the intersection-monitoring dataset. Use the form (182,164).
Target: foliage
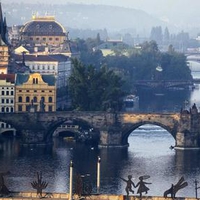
(92,89)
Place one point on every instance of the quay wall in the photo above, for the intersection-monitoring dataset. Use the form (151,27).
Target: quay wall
(61,196)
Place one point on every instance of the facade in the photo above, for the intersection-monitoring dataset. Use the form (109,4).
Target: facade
(58,65)
(7,92)
(35,93)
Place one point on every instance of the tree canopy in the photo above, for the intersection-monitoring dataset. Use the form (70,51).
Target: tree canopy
(92,89)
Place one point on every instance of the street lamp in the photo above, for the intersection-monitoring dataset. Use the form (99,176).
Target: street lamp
(98,174)
(196,188)
(70,180)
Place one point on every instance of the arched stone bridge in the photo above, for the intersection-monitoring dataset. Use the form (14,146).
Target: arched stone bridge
(113,128)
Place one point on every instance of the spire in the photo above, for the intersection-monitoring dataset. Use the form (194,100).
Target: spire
(3,28)
(1,21)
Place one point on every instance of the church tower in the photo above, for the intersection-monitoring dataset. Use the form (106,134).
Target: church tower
(4,51)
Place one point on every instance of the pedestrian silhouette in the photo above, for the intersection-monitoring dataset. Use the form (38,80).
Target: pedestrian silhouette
(129,184)
(142,185)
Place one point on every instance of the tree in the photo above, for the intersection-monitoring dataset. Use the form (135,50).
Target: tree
(92,89)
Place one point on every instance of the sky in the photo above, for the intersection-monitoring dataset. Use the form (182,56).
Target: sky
(151,6)
(181,13)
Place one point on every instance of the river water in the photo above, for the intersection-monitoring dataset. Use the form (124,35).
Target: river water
(148,154)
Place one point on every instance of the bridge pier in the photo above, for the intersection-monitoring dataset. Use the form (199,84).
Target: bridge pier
(111,137)
(33,137)
(187,141)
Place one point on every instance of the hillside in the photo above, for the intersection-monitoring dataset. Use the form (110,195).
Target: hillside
(82,16)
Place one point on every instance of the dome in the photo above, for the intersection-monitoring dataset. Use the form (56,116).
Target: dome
(43,26)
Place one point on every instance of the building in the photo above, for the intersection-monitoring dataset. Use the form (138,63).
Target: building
(7,95)
(7,92)
(131,103)
(4,50)
(44,35)
(110,47)
(58,65)
(35,93)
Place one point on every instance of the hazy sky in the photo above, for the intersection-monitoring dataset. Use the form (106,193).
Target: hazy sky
(151,6)
(179,12)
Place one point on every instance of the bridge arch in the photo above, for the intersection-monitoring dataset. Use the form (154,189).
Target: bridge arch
(128,130)
(80,128)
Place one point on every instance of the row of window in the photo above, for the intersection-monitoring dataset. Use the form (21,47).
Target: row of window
(45,39)
(7,101)
(7,93)
(7,109)
(20,108)
(35,99)
(7,88)
(42,67)
(37,91)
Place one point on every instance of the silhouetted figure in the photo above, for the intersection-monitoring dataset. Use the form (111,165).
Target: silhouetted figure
(3,189)
(39,185)
(142,185)
(129,185)
(175,188)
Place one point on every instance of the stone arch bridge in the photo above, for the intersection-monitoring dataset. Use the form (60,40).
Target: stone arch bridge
(113,128)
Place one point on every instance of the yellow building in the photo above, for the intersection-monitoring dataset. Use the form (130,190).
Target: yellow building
(35,93)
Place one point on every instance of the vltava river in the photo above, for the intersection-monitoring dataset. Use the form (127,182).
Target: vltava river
(148,154)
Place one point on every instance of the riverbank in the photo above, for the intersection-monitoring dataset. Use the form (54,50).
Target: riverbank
(61,196)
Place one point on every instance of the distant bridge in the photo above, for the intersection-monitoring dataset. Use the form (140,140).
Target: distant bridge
(113,128)
(162,84)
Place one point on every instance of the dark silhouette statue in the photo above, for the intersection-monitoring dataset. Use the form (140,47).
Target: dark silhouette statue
(142,185)
(175,188)
(3,189)
(129,185)
(39,185)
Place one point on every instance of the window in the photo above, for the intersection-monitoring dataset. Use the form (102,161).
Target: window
(11,93)
(50,100)
(27,99)
(35,80)
(7,109)
(50,39)
(43,99)
(50,108)
(7,100)
(27,90)
(19,107)
(11,110)
(7,92)
(34,99)
(20,99)
(2,109)
(2,92)
(27,108)
(2,101)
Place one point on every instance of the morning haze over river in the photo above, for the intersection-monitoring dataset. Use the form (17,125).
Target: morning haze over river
(149,152)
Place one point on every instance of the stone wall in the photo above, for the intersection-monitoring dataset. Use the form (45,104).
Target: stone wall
(33,195)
